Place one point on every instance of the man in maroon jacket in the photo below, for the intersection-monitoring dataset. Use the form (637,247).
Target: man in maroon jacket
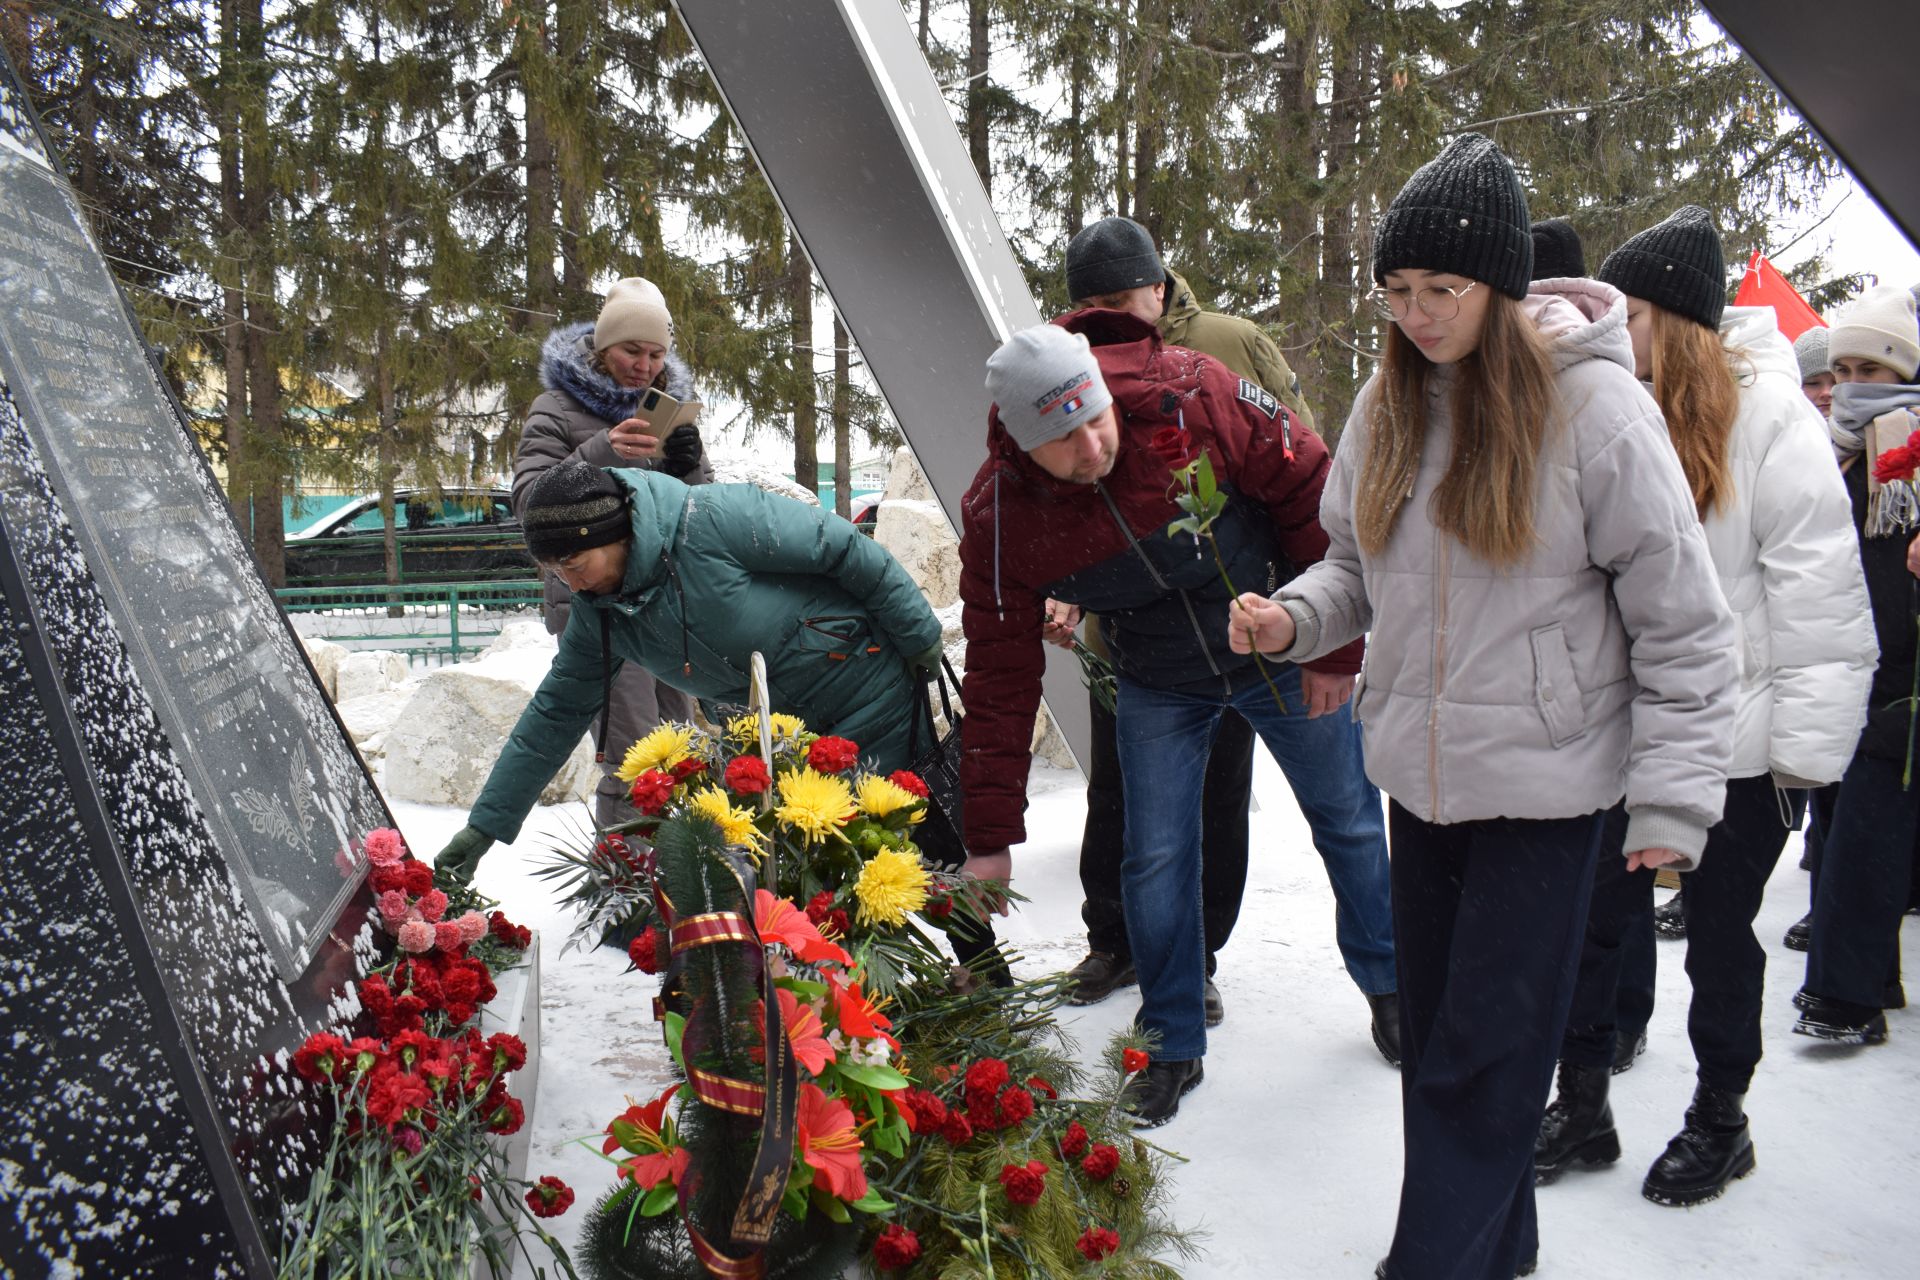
(1072,504)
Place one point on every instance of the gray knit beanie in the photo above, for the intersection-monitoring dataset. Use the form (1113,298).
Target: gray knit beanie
(1462,212)
(1111,256)
(1045,382)
(1677,264)
(574,506)
(1810,348)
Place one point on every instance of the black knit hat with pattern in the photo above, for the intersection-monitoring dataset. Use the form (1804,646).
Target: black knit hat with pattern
(1461,212)
(1557,251)
(1677,264)
(573,507)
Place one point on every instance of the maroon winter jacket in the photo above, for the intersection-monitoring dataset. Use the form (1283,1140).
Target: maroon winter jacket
(1163,609)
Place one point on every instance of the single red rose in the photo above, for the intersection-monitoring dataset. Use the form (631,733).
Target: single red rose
(1169,444)
(549,1197)
(746,775)
(509,1052)
(956,1128)
(322,1058)
(831,755)
(1024,1184)
(818,907)
(929,1113)
(1096,1243)
(1016,1104)
(1073,1141)
(419,878)
(986,1076)
(648,952)
(1040,1085)
(909,781)
(507,1117)
(651,791)
(1100,1162)
(897,1247)
(1132,1060)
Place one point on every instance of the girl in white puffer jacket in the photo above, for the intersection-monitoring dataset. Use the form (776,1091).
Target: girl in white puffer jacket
(1780,531)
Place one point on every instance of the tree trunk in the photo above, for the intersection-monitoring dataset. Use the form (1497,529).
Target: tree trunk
(1326,370)
(806,461)
(1076,138)
(574,29)
(842,421)
(926,7)
(542,285)
(1122,112)
(266,452)
(226,264)
(1146,153)
(978,31)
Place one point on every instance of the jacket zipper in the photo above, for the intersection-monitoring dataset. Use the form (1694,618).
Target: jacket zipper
(1158,581)
(1445,552)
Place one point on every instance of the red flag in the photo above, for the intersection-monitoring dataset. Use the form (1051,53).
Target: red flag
(1763,286)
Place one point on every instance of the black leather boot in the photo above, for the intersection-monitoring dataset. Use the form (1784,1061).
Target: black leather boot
(1578,1127)
(1099,976)
(1714,1149)
(1386,1025)
(1153,1096)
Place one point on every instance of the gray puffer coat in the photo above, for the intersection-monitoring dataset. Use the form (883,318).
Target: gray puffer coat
(1600,666)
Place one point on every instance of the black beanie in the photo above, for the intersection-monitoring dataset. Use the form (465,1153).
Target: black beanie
(1677,264)
(1111,256)
(1557,251)
(573,507)
(1462,212)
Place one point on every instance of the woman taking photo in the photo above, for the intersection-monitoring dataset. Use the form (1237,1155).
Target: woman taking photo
(595,375)
(1546,635)
(1755,455)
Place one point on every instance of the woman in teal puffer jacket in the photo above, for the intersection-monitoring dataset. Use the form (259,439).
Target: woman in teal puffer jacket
(689,583)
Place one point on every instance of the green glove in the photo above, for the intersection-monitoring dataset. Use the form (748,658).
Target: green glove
(926,664)
(454,865)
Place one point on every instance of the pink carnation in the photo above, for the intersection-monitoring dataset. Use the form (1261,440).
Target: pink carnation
(393,908)
(416,936)
(433,905)
(447,936)
(473,926)
(384,847)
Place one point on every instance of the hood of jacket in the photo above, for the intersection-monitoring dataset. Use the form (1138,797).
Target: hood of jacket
(1754,333)
(566,364)
(1581,320)
(1181,306)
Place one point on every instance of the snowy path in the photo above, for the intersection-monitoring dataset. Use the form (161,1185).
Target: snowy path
(1295,1134)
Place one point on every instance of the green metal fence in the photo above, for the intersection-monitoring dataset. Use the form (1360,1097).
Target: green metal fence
(434,622)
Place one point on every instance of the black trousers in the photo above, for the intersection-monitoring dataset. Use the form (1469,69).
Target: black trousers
(1725,962)
(1862,878)
(1487,918)
(1227,793)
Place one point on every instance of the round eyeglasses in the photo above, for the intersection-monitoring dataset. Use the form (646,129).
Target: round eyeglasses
(1437,301)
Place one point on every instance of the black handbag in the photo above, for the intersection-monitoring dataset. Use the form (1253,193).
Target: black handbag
(935,756)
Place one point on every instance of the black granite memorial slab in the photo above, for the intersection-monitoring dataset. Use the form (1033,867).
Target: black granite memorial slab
(183,888)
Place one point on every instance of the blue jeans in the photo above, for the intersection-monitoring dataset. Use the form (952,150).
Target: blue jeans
(1164,739)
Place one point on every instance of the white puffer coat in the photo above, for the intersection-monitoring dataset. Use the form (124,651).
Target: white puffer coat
(1789,565)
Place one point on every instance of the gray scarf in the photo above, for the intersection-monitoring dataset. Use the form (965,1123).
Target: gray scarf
(1855,404)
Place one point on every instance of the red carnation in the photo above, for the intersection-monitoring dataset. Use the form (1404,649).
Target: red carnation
(651,791)
(322,1058)
(509,1052)
(522,937)
(929,1113)
(957,1129)
(447,937)
(939,906)
(1024,1184)
(648,952)
(1096,1243)
(1073,1141)
(897,1247)
(909,781)
(508,1117)
(550,1197)
(393,1095)
(1100,1162)
(1016,1104)
(388,878)
(1132,1060)
(688,768)
(1040,1085)
(1896,463)
(1169,444)
(419,878)
(501,927)
(986,1076)
(831,755)
(818,907)
(364,1054)
(982,1114)
(461,986)
(746,775)
(410,1047)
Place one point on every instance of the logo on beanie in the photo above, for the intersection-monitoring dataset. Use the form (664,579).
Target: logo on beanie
(1069,396)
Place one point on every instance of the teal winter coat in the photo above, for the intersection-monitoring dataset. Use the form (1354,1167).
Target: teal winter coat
(714,573)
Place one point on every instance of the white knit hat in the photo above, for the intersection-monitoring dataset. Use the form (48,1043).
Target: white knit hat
(635,311)
(1881,327)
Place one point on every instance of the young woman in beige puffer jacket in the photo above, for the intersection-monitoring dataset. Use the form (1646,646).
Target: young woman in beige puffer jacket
(1546,636)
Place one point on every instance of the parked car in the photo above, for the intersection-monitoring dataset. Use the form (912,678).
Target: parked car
(457,535)
(866,513)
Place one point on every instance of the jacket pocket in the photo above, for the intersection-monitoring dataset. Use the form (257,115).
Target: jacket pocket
(1555,691)
(837,638)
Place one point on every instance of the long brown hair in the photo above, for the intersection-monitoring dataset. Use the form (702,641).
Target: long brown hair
(1504,402)
(1694,382)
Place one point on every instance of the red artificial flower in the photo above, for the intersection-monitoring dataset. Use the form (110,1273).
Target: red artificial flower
(644,1134)
(986,1077)
(1073,1141)
(1132,1060)
(507,1117)
(322,1058)
(1024,1183)
(612,849)
(896,1248)
(1896,463)
(804,1032)
(957,1129)
(1100,1162)
(1040,1085)
(831,755)
(419,878)
(509,1052)
(829,1141)
(1096,1243)
(648,951)
(746,775)
(651,791)
(1016,1104)
(856,1014)
(550,1197)
(780,921)
(909,781)
(393,1094)
(1169,444)
(926,1113)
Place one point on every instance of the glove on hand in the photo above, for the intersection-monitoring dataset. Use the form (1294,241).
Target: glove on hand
(926,664)
(454,865)
(681,452)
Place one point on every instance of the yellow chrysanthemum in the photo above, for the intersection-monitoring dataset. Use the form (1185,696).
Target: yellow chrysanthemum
(881,796)
(746,729)
(891,887)
(814,804)
(736,825)
(662,749)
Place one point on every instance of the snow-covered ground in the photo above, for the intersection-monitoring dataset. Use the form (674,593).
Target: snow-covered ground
(1295,1137)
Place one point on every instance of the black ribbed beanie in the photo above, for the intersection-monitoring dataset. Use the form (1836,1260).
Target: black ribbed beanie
(1677,264)
(573,507)
(1462,212)
(1111,256)
(1557,251)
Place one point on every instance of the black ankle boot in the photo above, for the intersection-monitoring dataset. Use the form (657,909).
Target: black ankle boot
(1714,1149)
(1578,1126)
